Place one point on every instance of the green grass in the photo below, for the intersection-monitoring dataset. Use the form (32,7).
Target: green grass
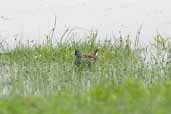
(128,98)
(44,80)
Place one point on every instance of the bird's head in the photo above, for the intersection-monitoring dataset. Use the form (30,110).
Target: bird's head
(77,53)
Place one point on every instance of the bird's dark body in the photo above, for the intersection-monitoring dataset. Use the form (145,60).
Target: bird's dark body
(85,59)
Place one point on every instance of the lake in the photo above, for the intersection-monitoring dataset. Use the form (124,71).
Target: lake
(33,19)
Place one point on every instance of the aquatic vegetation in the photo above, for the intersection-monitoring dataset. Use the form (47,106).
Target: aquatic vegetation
(125,80)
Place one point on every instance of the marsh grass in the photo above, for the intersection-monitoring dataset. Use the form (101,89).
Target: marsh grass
(125,80)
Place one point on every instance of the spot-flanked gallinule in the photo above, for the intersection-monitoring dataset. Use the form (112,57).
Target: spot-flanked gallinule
(85,58)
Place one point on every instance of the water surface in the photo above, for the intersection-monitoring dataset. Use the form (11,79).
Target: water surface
(33,19)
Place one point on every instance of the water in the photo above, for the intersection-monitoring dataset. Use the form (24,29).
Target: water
(33,19)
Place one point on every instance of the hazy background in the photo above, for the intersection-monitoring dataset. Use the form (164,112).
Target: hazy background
(33,19)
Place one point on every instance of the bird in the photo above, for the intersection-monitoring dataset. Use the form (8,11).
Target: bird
(85,58)
(92,55)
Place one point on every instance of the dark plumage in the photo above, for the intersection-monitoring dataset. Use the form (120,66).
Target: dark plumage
(77,57)
(86,58)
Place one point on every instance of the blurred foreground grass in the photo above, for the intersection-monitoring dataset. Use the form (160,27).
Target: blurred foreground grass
(128,98)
